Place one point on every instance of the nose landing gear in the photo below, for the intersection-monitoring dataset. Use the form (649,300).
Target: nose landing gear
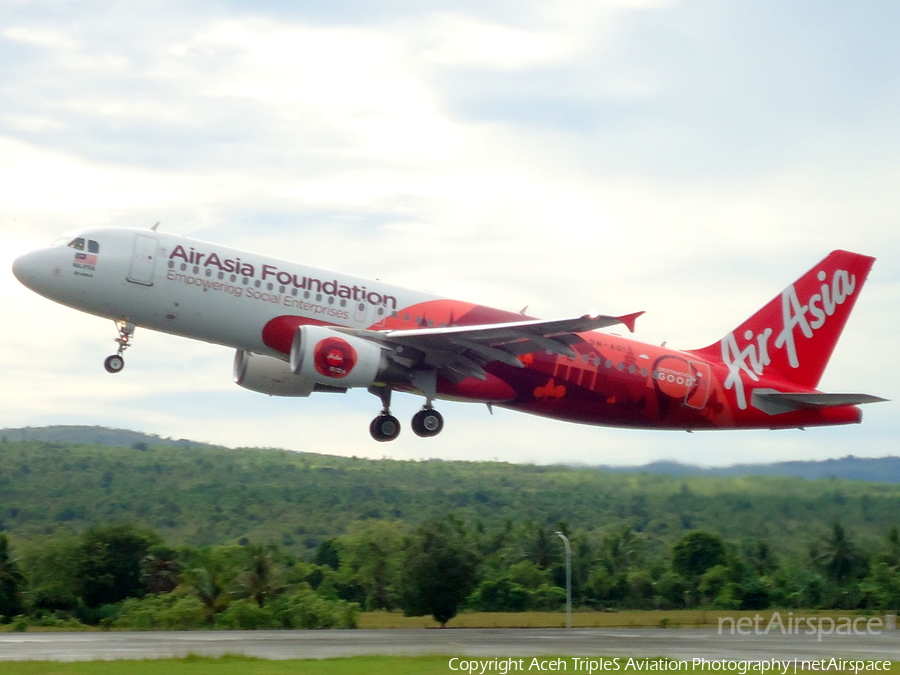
(115,363)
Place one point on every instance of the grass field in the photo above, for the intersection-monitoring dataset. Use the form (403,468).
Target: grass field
(637,619)
(686,618)
(370,665)
(236,665)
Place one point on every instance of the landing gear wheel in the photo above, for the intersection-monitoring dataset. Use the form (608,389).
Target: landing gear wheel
(385,428)
(114,363)
(427,423)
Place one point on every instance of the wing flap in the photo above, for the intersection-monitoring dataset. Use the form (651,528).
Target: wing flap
(488,352)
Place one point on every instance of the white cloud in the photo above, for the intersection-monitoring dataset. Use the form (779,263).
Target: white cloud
(41,37)
(450,40)
(39,181)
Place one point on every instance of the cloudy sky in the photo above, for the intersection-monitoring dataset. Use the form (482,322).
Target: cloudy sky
(689,159)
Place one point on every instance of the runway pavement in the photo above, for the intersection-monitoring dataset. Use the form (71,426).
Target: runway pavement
(495,642)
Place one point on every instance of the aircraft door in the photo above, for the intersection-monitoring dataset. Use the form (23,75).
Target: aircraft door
(143,260)
(696,395)
(361,311)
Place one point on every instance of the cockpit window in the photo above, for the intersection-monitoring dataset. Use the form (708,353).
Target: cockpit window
(93,246)
(77,244)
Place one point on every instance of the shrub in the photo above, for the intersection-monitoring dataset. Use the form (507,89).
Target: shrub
(245,615)
(304,608)
(171,611)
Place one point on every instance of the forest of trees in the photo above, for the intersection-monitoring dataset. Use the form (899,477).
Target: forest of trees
(122,576)
(204,497)
(181,538)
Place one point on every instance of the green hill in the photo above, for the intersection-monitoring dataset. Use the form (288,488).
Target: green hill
(202,495)
(874,469)
(93,435)
(878,470)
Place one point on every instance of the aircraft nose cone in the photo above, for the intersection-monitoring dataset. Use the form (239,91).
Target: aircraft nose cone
(33,270)
(21,267)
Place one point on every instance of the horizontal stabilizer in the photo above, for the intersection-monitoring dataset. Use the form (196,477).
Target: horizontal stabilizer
(775,402)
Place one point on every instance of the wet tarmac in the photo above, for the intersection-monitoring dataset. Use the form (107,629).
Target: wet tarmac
(684,644)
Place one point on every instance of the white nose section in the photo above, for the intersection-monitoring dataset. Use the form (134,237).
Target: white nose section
(23,268)
(36,270)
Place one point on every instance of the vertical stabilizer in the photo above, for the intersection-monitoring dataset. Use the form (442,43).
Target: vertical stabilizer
(793,336)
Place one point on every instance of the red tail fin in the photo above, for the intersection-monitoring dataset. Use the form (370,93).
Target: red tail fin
(795,334)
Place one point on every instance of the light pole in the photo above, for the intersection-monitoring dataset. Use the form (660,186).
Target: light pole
(568,579)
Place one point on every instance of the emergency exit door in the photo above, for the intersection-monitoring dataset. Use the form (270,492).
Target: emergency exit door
(143,260)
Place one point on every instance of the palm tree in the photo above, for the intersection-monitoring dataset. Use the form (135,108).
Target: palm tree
(840,559)
(10,581)
(258,580)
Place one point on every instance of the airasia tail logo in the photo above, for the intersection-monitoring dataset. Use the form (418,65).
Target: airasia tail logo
(751,359)
(334,358)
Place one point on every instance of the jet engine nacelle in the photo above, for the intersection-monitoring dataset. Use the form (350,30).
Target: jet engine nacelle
(332,358)
(268,375)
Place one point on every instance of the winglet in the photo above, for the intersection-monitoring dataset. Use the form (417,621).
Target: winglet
(629,319)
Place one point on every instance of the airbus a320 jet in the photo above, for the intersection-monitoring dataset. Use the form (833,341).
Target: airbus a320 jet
(298,330)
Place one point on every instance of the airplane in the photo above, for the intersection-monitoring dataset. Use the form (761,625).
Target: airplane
(298,330)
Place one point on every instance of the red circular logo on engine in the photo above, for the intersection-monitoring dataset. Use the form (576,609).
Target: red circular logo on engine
(334,357)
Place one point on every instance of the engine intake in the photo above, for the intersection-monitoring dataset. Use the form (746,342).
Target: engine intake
(328,357)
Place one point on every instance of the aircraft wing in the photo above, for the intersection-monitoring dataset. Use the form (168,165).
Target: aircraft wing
(458,352)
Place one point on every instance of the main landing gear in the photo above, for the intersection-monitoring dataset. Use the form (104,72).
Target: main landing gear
(116,362)
(425,423)
(385,427)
